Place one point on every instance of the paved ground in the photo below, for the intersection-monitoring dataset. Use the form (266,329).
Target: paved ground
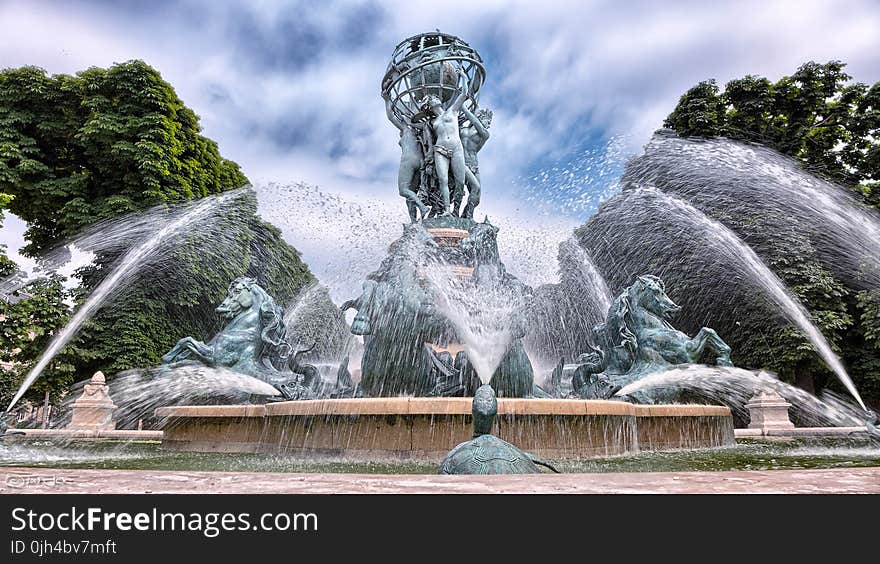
(45,480)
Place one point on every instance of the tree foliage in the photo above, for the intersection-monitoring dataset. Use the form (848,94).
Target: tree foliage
(832,127)
(30,319)
(7,267)
(77,150)
(815,115)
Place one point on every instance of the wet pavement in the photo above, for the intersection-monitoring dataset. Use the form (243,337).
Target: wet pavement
(58,481)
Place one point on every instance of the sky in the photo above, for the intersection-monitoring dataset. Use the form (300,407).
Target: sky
(290,91)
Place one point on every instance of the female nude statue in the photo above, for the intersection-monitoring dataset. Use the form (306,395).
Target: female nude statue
(410,162)
(448,150)
(473,137)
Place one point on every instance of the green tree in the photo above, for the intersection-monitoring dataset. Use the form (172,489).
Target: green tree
(7,267)
(815,115)
(832,127)
(77,150)
(31,316)
(700,111)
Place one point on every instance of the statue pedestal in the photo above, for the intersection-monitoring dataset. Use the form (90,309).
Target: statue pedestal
(93,410)
(768,410)
(450,237)
(447,236)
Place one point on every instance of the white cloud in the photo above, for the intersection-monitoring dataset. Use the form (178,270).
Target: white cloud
(290,91)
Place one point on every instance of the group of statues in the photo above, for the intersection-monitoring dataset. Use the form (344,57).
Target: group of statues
(438,156)
(431,92)
(397,317)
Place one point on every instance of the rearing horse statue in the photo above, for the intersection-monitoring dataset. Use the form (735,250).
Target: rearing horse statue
(255,331)
(638,324)
(254,342)
(637,339)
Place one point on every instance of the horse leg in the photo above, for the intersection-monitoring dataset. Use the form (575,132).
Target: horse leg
(695,347)
(180,351)
(199,349)
(718,347)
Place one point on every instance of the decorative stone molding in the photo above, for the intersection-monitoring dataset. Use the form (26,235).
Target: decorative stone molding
(448,236)
(93,410)
(769,410)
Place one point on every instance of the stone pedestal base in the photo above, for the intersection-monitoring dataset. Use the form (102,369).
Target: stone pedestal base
(447,236)
(769,410)
(94,409)
(371,429)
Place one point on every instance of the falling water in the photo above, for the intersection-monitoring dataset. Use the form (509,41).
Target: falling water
(126,267)
(296,312)
(592,281)
(744,179)
(481,317)
(314,322)
(139,392)
(734,387)
(725,241)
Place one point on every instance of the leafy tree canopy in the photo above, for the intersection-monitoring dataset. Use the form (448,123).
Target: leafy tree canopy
(816,115)
(7,267)
(78,149)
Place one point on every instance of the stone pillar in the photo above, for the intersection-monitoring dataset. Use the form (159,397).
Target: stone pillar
(93,410)
(769,410)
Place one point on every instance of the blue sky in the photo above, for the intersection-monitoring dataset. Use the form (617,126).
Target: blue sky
(290,89)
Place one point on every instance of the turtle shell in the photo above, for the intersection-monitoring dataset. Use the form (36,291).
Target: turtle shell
(487,454)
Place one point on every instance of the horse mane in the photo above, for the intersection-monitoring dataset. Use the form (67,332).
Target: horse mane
(621,333)
(274,331)
(652,278)
(619,327)
(484,235)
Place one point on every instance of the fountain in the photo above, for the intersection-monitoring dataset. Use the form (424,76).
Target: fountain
(441,320)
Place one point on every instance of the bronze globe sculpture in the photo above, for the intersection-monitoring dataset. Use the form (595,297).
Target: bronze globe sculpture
(428,64)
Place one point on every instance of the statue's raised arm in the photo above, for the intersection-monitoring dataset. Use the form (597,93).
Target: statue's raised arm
(411,159)
(477,123)
(474,134)
(458,104)
(391,117)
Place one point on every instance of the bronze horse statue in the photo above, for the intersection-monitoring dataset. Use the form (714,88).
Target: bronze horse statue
(642,337)
(254,342)
(637,339)
(255,330)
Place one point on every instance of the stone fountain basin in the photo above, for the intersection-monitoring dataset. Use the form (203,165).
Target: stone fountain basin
(405,428)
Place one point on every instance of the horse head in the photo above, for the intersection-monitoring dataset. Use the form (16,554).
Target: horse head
(482,243)
(239,297)
(246,295)
(649,293)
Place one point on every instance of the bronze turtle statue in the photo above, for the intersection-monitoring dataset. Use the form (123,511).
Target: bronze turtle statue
(486,453)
